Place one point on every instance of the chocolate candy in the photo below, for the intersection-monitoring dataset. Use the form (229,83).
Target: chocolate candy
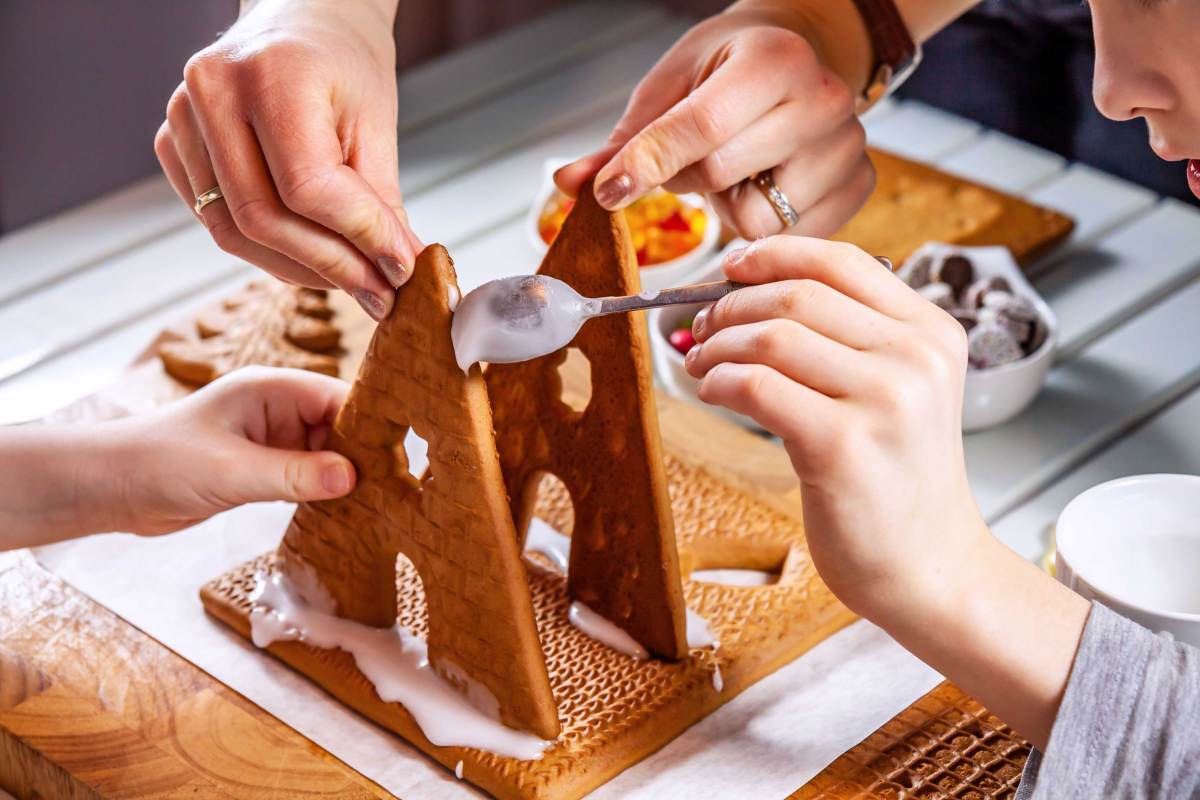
(992,345)
(965,317)
(1021,331)
(955,270)
(973,296)
(916,272)
(1011,305)
(940,294)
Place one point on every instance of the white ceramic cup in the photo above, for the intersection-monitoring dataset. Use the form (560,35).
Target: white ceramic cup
(1134,545)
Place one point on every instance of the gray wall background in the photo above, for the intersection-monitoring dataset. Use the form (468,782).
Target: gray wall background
(83,87)
(84,83)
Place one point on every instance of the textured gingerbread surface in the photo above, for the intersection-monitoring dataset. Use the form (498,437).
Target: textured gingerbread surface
(945,746)
(268,323)
(624,563)
(914,203)
(453,523)
(614,710)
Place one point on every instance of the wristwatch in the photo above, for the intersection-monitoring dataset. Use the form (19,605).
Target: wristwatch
(896,54)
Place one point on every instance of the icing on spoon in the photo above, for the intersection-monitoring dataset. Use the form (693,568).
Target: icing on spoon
(527,316)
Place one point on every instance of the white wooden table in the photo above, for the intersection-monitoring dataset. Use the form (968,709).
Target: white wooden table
(82,293)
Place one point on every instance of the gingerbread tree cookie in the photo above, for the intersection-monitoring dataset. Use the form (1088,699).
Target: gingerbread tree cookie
(624,563)
(269,323)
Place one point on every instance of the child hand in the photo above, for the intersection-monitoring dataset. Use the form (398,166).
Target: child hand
(253,435)
(863,380)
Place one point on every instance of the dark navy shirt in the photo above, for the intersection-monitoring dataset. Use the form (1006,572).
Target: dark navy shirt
(1070,15)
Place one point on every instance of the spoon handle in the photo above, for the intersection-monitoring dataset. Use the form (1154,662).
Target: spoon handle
(697,293)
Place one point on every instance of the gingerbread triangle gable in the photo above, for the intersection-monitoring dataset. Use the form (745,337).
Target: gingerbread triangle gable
(623,561)
(453,524)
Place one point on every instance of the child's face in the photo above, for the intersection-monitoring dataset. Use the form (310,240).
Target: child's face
(1148,65)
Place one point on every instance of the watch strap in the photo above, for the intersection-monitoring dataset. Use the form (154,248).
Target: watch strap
(893,44)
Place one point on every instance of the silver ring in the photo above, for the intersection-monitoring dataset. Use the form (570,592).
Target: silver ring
(211,196)
(783,207)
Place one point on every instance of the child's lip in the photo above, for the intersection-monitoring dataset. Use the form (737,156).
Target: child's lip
(1193,176)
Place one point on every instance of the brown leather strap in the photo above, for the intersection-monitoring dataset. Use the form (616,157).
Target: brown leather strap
(893,44)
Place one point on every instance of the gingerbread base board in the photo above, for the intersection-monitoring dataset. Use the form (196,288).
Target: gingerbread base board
(614,710)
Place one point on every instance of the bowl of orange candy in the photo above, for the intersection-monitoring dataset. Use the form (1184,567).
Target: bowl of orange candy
(673,234)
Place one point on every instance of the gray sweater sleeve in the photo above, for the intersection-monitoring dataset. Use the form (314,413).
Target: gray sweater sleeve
(1129,724)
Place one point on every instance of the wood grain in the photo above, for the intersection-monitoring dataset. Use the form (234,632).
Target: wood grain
(90,707)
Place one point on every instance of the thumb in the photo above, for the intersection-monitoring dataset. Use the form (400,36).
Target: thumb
(663,86)
(267,473)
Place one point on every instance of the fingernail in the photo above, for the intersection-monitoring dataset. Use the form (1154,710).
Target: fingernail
(336,479)
(736,256)
(698,323)
(692,355)
(393,270)
(614,190)
(371,303)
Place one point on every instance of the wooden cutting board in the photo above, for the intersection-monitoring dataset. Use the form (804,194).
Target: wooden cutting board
(91,707)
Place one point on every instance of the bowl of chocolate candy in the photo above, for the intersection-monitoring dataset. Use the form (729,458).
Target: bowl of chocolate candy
(1011,332)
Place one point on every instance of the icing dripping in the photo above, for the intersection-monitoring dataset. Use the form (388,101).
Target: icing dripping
(605,632)
(397,663)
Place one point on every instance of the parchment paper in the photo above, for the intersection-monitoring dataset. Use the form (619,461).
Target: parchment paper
(766,743)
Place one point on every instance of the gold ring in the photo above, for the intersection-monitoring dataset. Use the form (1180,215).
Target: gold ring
(783,207)
(211,196)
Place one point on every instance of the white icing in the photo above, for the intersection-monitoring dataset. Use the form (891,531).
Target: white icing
(718,681)
(698,632)
(735,577)
(458,770)
(546,318)
(543,539)
(306,583)
(452,297)
(605,632)
(397,663)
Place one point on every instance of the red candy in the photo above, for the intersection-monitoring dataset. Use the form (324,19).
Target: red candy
(682,340)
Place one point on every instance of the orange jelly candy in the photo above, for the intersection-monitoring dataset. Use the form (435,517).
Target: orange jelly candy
(663,226)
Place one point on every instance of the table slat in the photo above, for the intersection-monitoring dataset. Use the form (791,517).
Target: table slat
(1089,401)
(1123,274)
(36,256)
(1168,443)
(1098,202)
(1005,163)
(577,33)
(557,102)
(921,132)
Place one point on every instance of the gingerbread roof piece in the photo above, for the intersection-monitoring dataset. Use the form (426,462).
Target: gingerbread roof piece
(453,524)
(267,322)
(623,563)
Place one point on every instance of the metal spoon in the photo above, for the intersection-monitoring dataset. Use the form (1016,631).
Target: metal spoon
(527,316)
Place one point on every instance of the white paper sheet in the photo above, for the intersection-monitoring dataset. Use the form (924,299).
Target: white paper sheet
(766,743)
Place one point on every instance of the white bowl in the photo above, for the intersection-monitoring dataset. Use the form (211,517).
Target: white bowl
(998,394)
(659,276)
(668,362)
(1134,545)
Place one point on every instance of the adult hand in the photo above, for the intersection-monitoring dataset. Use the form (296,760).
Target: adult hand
(253,435)
(739,94)
(292,113)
